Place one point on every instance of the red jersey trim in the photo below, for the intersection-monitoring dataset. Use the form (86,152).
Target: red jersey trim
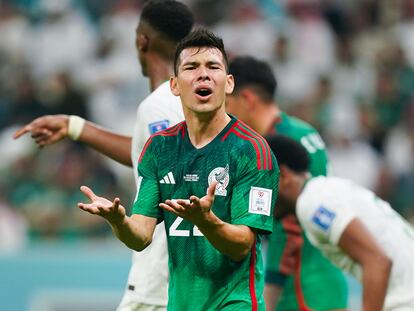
(229,131)
(294,242)
(252,277)
(149,141)
(255,145)
(171,131)
(292,254)
(298,286)
(265,147)
(262,149)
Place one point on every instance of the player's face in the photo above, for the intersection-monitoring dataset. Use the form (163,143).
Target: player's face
(202,81)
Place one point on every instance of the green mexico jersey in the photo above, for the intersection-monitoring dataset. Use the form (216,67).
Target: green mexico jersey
(309,138)
(309,280)
(201,277)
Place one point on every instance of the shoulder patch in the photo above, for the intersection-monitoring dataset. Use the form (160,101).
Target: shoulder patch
(323,218)
(158,126)
(260,201)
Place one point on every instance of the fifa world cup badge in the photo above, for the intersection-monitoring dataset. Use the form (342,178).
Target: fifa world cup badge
(221,175)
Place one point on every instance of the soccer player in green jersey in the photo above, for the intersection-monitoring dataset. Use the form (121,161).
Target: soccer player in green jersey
(298,277)
(212,180)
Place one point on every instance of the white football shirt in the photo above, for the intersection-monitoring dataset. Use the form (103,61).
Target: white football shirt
(148,276)
(325,208)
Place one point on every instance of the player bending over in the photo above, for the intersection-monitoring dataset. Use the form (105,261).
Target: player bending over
(356,230)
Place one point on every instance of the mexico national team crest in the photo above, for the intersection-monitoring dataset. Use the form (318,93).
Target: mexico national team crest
(221,174)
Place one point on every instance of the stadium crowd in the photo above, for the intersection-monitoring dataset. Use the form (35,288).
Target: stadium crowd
(346,67)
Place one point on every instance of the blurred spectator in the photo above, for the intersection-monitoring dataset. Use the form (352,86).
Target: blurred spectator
(295,81)
(14,28)
(245,30)
(311,38)
(355,160)
(347,67)
(13,228)
(352,76)
(46,190)
(399,156)
(62,41)
(405,28)
(112,79)
(54,95)
(388,105)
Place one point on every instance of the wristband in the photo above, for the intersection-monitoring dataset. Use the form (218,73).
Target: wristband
(75,127)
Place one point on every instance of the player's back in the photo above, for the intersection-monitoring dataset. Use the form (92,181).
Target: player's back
(308,137)
(308,271)
(332,203)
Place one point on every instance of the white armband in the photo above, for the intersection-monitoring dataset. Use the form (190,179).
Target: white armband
(75,127)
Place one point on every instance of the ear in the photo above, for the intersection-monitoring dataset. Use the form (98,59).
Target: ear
(229,84)
(249,98)
(284,170)
(142,43)
(174,86)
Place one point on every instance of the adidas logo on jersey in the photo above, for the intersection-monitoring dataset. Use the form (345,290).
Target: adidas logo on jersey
(168,179)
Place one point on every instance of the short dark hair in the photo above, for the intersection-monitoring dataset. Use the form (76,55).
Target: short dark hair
(171,18)
(249,71)
(289,152)
(200,38)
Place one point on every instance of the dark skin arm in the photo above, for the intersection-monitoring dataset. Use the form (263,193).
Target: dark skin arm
(358,243)
(50,129)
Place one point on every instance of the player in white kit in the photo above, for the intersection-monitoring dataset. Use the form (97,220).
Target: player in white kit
(356,230)
(162,25)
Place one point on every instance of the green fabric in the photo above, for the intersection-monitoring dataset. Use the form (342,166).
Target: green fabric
(309,138)
(322,285)
(202,278)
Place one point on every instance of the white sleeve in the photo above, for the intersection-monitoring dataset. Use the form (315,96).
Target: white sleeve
(154,115)
(325,219)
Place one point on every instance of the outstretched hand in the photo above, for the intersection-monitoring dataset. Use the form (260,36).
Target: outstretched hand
(194,209)
(113,212)
(46,130)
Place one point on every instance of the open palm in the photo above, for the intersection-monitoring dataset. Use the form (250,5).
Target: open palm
(193,209)
(111,211)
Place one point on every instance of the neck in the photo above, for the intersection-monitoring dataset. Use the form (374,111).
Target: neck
(202,129)
(159,70)
(297,189)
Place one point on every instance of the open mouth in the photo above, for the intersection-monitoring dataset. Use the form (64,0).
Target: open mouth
(203,92)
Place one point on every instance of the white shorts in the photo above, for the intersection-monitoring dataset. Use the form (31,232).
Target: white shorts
(128,303)
(147,287)
(404,308)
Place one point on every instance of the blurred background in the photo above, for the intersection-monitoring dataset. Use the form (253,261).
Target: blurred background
(346,67)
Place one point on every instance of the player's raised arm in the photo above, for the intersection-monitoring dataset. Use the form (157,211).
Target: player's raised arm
(46,130)
(135,231)
(359,244)
(50,129)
